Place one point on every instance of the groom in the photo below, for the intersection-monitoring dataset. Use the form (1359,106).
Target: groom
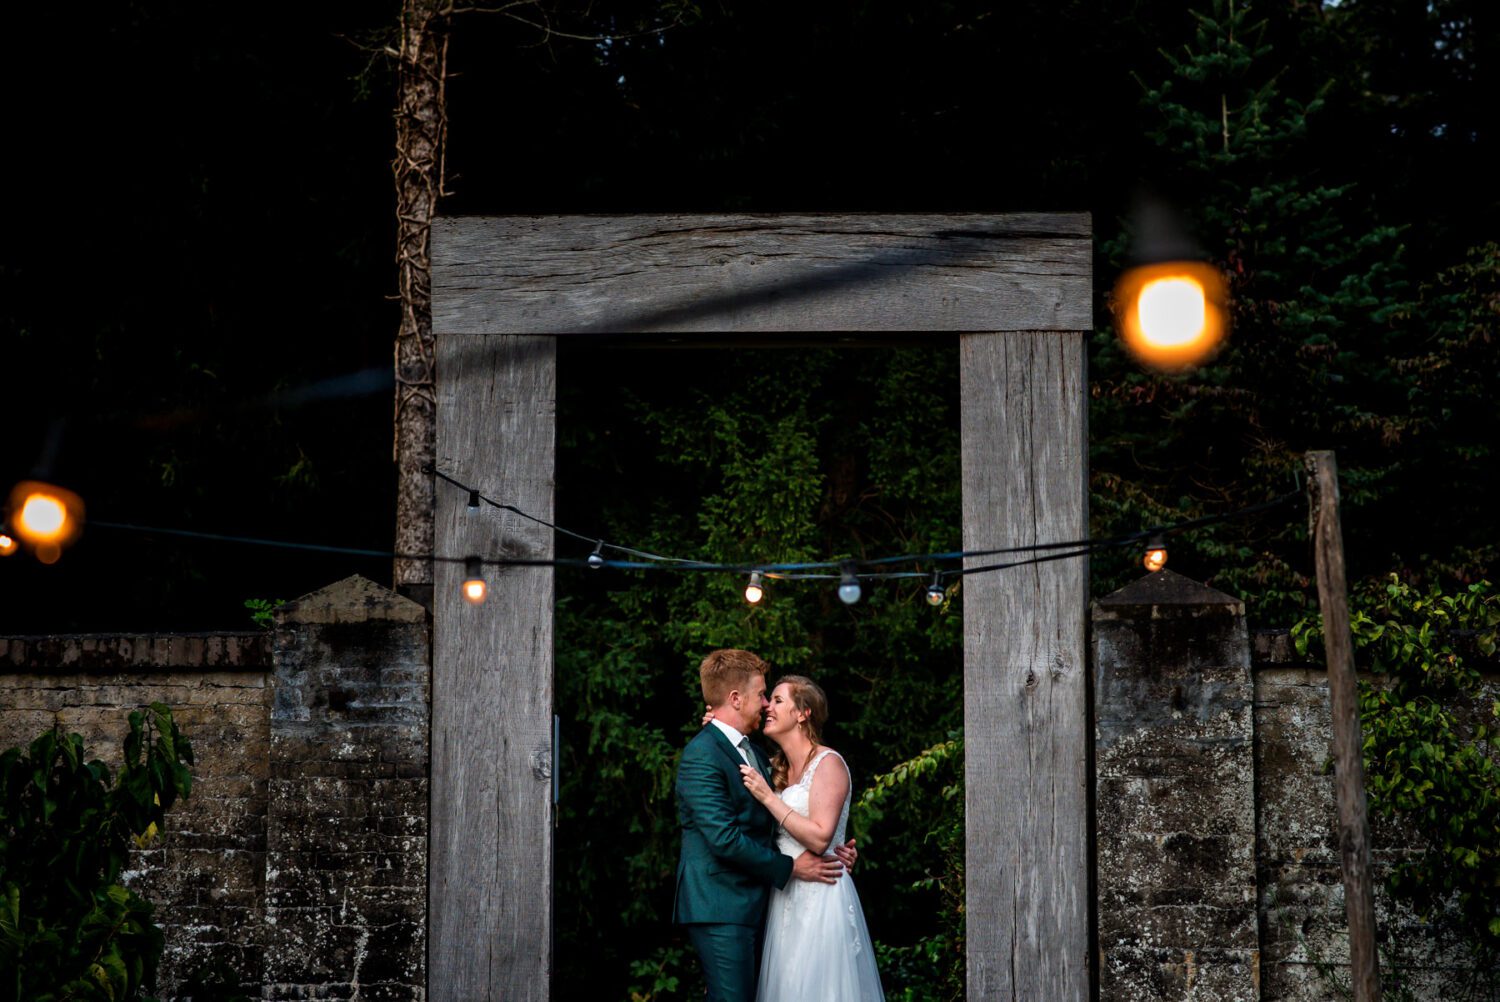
(728,863)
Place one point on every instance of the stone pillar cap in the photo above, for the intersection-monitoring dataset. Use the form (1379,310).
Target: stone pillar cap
(1166,592)
(355,599)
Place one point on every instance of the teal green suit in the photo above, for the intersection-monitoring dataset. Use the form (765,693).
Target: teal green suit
(728,863)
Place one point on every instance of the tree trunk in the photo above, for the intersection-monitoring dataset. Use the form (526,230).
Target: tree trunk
(421,128)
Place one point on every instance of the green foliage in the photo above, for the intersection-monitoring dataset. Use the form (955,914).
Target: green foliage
(68,928)
(1431,759)
(1329,349)
(785,456)
(263,610)
(660,975)
(930,968)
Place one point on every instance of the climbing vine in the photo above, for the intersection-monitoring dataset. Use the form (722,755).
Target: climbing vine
(1430,748)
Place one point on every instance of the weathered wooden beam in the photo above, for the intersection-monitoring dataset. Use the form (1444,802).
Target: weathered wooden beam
(747,273)
(1025,462)
(490,876)
(846,277)
(1326,533)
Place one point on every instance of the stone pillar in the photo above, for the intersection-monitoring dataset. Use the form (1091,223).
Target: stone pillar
(1174,793)
(346,827)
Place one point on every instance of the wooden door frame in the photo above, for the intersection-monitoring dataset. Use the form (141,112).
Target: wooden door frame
(1016,288)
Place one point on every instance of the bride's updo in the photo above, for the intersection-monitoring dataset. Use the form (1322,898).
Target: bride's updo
(808,697)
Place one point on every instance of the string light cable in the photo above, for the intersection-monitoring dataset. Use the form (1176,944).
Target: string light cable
(848,572)
(791,571)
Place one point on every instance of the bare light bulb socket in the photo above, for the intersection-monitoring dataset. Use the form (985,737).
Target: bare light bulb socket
(849,591)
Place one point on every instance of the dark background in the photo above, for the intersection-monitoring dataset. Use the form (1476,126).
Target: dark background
(198,219)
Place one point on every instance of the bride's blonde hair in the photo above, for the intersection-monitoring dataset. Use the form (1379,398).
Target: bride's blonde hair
(808,697)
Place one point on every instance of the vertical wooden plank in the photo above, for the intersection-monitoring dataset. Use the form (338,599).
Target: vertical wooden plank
(1348,748)
(490,889)
(1025,698)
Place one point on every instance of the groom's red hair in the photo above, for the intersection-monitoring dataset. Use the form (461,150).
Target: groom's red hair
(724,671)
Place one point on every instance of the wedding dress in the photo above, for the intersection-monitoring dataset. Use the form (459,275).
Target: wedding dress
(817,948)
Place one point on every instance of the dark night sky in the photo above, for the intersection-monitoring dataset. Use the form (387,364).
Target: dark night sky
(199,218)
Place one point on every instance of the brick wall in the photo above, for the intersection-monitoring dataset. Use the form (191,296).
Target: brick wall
(300,858)
(205,874)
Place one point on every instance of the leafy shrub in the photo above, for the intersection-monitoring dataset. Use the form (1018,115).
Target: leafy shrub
(1429,744)
(68,928)
(931,967)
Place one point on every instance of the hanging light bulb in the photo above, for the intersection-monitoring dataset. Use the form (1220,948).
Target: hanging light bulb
(849,586)
(1156,554)
(474,586)
(754,592)
(1171,307)
(935,593)
(473,500)
(596,559)
(45,517)
(7,545)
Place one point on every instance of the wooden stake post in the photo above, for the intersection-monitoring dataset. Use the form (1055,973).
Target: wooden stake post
(1349,767)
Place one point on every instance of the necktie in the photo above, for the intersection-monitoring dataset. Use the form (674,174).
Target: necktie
(745,751)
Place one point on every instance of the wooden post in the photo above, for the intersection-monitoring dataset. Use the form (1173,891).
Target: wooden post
(1025,462)
(490,857)
(1343,689)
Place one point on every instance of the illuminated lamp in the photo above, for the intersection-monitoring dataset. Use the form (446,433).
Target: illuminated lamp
(1171,307)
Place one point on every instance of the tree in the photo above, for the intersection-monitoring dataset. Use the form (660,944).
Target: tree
(421,130)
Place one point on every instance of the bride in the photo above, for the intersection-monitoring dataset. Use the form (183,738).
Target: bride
(817,948)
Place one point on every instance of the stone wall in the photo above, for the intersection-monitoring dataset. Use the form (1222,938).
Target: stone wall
(1175,793)
(346,848)
(1304,941)
(1218,873)
(300,859)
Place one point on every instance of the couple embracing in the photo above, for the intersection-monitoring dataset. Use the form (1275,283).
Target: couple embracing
(772,915)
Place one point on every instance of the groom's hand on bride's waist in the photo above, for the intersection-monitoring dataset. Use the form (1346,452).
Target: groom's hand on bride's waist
(847,854)
(819,869)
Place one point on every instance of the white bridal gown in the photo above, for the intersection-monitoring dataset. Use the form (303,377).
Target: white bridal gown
(817,948)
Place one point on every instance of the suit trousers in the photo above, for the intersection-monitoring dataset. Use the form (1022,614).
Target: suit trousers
(731,959)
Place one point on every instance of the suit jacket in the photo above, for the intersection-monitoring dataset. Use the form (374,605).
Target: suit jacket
(728,862)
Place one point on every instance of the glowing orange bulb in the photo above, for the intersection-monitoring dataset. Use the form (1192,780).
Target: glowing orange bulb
(42,517)
(754,592)
(474,587)
(1171,311)
(1155,559)
(7,545)
(45,517)
(1172,316)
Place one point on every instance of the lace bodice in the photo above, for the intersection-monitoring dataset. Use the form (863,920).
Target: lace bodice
(798,795)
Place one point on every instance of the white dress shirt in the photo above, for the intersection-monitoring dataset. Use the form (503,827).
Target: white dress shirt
(735,737)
